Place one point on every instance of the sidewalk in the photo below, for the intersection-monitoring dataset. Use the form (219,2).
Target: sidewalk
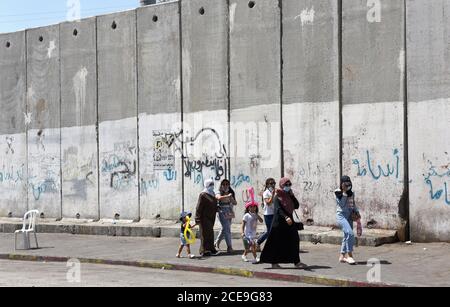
(403,265)
(167,228)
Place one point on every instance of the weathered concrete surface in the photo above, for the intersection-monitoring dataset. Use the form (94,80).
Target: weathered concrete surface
(79,119)
(428,52)
(255,94)
(205,95)
(373,116)
(311,105)
(159,107)
(13,156)
(43,109)
(117,105)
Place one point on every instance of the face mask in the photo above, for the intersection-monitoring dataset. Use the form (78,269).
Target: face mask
(211,189)
(271,189)
(287,189)
(226,190)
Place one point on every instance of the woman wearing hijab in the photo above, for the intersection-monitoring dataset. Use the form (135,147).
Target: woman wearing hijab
(205,217)
(283,243)
(227,199)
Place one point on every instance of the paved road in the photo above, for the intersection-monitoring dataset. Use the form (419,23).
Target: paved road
(39,274)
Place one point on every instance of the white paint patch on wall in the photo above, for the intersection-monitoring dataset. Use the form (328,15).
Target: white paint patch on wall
(232,15)
(311,157)
(118,169)
(206,135)
(429,169)
(306,16)
(79,172)
(255,150)
(51,48)
(160,172)
(373,157)
(13,174)
(79,88)
(44,181)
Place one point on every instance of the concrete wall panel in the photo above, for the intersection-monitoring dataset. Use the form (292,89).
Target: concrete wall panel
(159,104)
(117,105)
(205,95)
(429,119)
(311,105)
(79,119)
(255,94)
(13,156)
(43,107)
(373,100)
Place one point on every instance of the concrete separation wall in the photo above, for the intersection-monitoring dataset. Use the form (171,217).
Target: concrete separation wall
(124,116)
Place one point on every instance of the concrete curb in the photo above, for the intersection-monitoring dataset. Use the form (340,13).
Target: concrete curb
(315,280)
(156,231)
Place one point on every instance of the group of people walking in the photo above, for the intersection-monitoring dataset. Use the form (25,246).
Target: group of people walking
(282,242)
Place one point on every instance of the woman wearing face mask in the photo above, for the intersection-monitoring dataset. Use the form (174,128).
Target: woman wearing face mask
(226,199)
(345,208)
(283,243)
(268,195)
(205,217)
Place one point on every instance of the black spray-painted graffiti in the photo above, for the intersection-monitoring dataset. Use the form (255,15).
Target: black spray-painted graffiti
(9,142)
(211,165)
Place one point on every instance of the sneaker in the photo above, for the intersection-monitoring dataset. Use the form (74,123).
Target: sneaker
(191,256)
(342,259)
(178,255)
(276,266)
(350,260)
(244,258)
(256,260)
(300,265)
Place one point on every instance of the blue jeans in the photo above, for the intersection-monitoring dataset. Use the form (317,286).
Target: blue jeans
(225,232)
(346,225)
(268,220)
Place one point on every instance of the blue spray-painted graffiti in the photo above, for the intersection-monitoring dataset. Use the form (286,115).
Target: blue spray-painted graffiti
(47,186)
(377,171)
(12,175)
(442,192)
(148,185)
(236,181)
(170,174)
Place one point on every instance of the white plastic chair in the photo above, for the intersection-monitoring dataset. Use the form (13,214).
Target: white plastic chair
(29,225)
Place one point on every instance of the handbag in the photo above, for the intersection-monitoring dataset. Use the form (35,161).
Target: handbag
(297,222)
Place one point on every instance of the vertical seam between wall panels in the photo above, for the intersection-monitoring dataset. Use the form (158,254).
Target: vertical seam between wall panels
(180,45)
(60,125)
(280,6)
(228,89)
(405,123)
(98,122)
(340,28)
(26,125)
(138,173)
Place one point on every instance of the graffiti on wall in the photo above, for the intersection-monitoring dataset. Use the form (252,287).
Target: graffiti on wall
(119,167)
(78,172)
(437,180)
(378,170)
